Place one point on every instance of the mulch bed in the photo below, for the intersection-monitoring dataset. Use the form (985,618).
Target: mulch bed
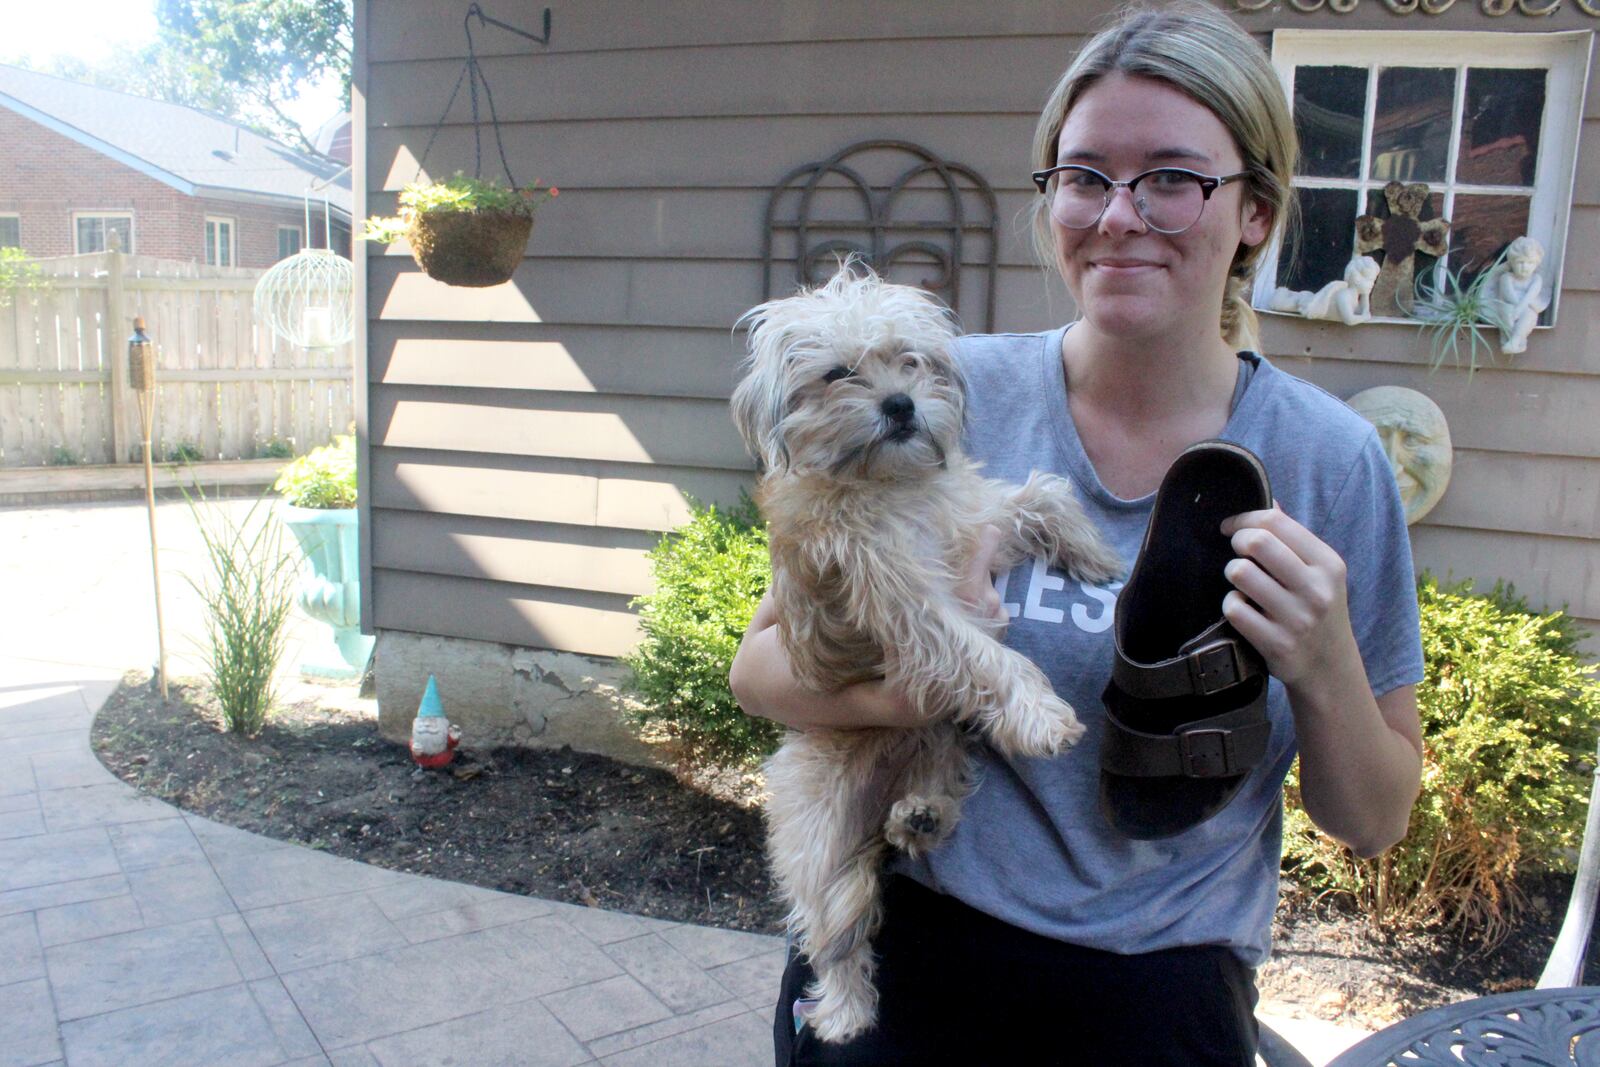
(591,830)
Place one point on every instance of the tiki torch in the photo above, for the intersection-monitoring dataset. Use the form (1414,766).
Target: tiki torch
(142,376)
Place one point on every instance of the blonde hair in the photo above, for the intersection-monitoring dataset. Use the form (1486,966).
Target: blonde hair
(1204,54)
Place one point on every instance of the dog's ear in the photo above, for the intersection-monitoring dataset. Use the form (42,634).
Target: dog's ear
(760,401)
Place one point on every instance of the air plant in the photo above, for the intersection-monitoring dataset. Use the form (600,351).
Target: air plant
(1457,316)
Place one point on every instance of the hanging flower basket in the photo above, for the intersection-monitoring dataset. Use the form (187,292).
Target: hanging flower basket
(463,231)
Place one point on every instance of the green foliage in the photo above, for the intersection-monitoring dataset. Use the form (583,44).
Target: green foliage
(1455,314)
(262,52)
(184,452)
(274,448)
(322,478)
(1509,718)
(458,193)
(19,274)
(709,576)
(62,456)
(248,591)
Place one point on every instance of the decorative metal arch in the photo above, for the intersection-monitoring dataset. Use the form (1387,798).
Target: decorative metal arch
(879,237)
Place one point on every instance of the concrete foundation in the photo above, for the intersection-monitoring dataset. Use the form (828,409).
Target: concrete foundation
(505,695)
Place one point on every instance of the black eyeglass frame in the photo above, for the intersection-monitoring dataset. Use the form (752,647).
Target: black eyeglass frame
(1209,183)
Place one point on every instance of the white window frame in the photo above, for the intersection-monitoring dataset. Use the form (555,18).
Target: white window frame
(299,238)
(212,258)
(18,217)
(1564,54)
(92,213)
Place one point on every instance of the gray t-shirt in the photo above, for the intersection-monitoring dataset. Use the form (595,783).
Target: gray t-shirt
(1032,846)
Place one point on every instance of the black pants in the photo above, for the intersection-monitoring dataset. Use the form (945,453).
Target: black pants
(957,986)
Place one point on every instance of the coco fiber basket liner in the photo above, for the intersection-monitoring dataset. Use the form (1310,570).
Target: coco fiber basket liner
(471,248)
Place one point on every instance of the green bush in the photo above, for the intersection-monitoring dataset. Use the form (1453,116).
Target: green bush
(709,576)
(274,448)
(19,274)
(322,478)
(1509,717)
(184,452)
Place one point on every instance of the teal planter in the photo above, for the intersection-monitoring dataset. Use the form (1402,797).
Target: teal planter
(330,589)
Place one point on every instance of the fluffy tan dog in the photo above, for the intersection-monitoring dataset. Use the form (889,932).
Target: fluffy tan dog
(853,405)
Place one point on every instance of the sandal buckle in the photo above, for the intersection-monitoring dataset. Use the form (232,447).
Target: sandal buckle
(1206,753)
(1215,667)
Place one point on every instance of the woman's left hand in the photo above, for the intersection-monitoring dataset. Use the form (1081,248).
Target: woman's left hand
(1288,597)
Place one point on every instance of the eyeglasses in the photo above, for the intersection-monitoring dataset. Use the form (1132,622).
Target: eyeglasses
(1168,199)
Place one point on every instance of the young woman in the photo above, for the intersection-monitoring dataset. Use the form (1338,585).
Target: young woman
(1037,933)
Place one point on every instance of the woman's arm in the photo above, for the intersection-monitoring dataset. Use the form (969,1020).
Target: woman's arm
(1360,755)
(764,684)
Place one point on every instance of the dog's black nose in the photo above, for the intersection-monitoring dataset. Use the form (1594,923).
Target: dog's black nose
(899,407)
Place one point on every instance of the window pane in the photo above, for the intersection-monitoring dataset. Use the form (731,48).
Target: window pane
(1482,227)
(91,235)
(225,243)
(211,243)
(1500,127)
(123,228)
(1411,127)
(288,242)
(1330,104)
(1327,239)
(10,232)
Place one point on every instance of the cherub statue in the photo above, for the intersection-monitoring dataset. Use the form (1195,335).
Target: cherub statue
(1348,301)
(1518,289)
(1416,439)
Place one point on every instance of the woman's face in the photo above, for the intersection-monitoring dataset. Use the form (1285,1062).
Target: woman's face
(1130,281)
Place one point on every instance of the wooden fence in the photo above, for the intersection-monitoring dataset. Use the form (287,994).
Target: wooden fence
(227,386)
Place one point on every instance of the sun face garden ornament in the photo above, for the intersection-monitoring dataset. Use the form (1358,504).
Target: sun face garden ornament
(1416,439)
(1399,236)
(1347,300)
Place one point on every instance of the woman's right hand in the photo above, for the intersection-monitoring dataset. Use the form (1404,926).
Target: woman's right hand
(764,684)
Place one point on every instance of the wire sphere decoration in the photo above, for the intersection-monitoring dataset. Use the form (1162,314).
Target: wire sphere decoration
(306,299)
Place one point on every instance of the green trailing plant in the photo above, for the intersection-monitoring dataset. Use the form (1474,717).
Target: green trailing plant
(1456,315)
(709,576)
(19,274)
(247,589)
(1509,717)
(457,194)
(184,452)
(322,478)
(275,448)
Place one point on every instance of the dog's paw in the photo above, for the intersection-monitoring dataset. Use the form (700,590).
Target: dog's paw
(919,824)
(1093,562)
(1040,727)
(842,1017)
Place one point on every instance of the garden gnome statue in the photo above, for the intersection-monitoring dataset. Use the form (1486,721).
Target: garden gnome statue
(433,739)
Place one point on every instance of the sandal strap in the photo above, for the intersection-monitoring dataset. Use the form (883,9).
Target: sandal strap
(1208,663)
(1219,747)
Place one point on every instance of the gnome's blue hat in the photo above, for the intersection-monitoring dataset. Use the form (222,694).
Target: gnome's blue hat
(430,701)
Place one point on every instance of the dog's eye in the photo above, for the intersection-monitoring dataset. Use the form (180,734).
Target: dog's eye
(838,374)
(911,362)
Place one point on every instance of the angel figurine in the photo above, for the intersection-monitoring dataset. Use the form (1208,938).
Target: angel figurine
(1519,291)
(1348,301)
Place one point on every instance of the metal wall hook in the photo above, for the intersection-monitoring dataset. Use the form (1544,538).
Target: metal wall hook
(474,9)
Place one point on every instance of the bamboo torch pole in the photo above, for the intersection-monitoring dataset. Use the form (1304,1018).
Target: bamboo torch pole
(142,376)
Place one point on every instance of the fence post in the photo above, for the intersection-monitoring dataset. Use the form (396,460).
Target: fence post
(117,327)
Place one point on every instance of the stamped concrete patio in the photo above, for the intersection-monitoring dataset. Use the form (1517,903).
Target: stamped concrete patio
(134,934)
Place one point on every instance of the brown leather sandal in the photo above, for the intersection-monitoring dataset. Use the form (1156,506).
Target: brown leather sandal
(1186,708)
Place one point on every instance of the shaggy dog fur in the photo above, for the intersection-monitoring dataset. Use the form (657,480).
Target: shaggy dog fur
(853,405)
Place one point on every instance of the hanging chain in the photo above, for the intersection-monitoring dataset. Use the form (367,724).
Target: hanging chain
(472,73)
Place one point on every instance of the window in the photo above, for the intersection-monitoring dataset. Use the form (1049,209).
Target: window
(91,230)
(10,231)
(219,242)
(288,241)
(1489,121)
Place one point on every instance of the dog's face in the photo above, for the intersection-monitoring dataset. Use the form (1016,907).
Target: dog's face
(855,379)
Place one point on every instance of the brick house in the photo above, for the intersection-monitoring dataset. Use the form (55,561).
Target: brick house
(83,162)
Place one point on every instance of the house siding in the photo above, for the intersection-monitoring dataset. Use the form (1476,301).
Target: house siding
(46,177)
(526,444)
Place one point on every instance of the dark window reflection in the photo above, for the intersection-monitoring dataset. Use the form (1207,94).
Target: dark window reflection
(1330,104)
(1411,126)
(1482,227)
(1327,239)
(1500,126)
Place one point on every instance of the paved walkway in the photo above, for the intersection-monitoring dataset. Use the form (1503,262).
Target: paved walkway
(133,934)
